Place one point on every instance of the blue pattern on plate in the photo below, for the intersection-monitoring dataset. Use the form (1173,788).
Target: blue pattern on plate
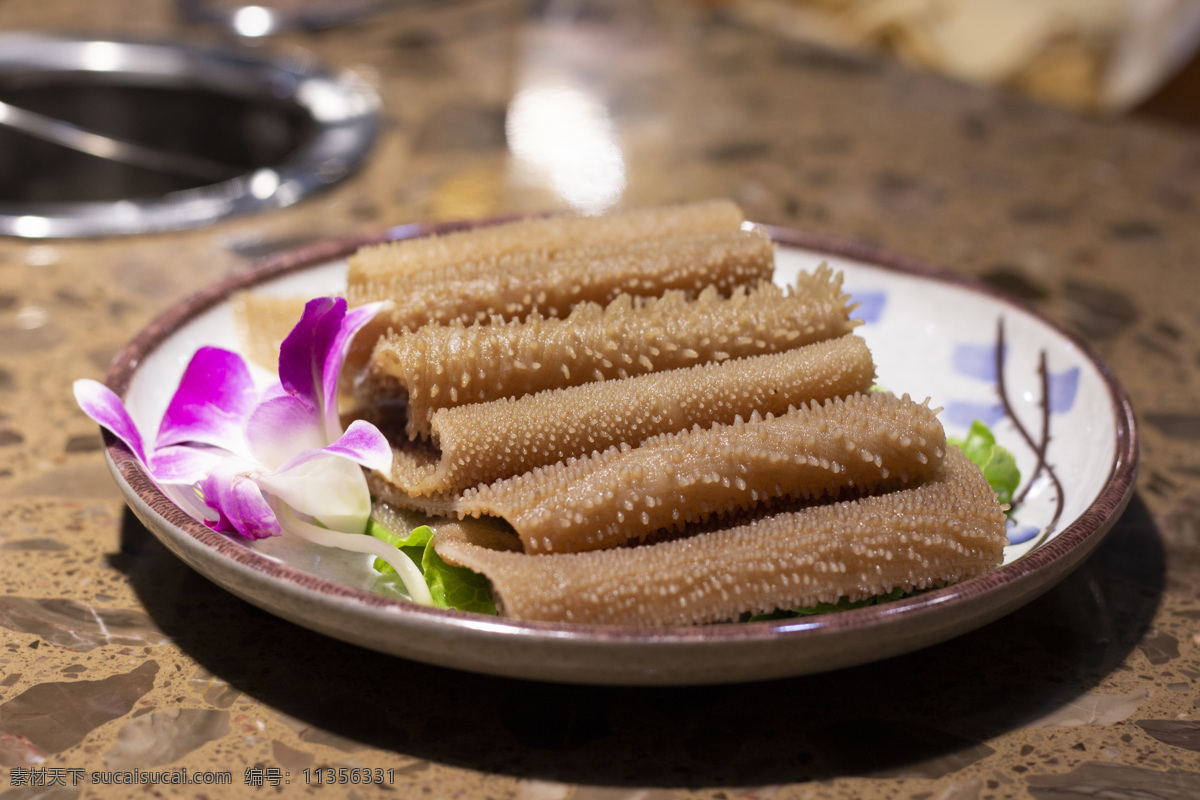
(1063,387)
(963,413)
(1021,533)
(975,360)
(870,306)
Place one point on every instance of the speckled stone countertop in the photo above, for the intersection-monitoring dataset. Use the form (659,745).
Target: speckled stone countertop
(118,657)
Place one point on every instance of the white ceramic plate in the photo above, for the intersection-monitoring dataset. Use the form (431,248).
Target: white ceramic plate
(932,335)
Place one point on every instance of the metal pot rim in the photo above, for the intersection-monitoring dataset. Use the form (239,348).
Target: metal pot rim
(345,114)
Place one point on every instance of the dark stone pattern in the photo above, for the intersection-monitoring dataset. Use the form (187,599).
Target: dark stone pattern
(53,717)
(74,625)
(1116,782)
(1177,733)
(1159,647)
(1175,425)
(1097,311)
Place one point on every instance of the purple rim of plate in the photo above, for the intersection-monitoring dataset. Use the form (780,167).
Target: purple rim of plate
(1052,561)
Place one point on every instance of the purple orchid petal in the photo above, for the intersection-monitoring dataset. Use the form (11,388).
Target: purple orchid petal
(281,427)
(363,444)
(271,391)
(325,487)
(102,405)
(185,464)
(303,354)
(351,324)
(231,491)
(219,434)
(214,398)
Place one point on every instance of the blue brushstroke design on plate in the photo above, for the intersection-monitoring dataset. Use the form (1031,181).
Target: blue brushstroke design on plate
(870,306)
(975,360)
(963,413)
(1021,533)
(1062,388)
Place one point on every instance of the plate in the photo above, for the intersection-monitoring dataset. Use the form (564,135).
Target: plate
(932,333)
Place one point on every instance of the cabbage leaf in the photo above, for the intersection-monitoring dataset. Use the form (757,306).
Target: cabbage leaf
(451,587)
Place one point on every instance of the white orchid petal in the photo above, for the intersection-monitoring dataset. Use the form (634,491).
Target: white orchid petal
(281,427)
(353,321)
(326,487)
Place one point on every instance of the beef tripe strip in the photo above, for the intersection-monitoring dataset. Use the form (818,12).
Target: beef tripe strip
(552,264)
(443,366)
(377,272)
(518,286)
(861,444)
(945,530)
(484,442)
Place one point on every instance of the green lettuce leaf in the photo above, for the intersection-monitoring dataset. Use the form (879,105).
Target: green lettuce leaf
(997,464)
(451,587)
(413,544)
(456,587)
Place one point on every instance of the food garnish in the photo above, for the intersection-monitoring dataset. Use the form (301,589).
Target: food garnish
(261,462)
(449,587)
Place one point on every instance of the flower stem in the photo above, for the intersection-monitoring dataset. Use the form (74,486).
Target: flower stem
(414,581)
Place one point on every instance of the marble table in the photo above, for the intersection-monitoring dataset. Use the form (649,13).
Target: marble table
(118,658)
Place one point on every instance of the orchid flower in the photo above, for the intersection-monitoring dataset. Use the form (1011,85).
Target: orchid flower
(260,463)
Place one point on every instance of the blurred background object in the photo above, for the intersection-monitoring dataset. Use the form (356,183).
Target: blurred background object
(253,20)
(1095,55)
(116,136)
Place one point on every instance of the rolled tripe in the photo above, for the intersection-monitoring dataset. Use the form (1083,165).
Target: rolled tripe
(857,445)
(942,531)
(550,264)
(519,285)
(444,366)
(485,442)
(388,270)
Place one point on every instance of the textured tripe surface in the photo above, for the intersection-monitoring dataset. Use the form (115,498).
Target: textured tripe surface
(516,286)
(552,263)
(377,270)
(945,530)
(860,444)
(484,442)
(443,366)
